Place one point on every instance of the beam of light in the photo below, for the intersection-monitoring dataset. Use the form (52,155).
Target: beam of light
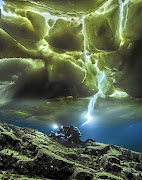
(101,79)
(87,61)
(121,16)
(87,57)
(101,76)
(91,107)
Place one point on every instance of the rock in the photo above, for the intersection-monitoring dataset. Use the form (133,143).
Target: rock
(99,35)
(39,23)
(135,156)
(19,69)
(82,176)
(129,175)
(59,7)
(132,29)
(68,72)
(64,69)
(72,156)
(66,35)
(111,60)
(110,163)
(84,157)
(7,43)
(138,166)
(27,30)
(54,78)
(132,67)
(115,168)
(40,157)
(106,175)
(111,159)
(96,150)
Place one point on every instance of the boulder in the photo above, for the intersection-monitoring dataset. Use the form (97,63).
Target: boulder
(78,77)
(9,48)
(132,68)
(22,77)
(27,30)
(109,60)
(132,27)
(82,176)
(63,68)
(18,68)
(39,24)
(66,35)
(101,30)
(97,151)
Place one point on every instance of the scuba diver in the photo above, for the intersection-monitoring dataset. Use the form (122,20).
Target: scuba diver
(59,134)
(70,134)
(73,135)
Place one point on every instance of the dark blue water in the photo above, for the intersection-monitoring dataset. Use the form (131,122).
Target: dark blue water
(41,128)
(128,135)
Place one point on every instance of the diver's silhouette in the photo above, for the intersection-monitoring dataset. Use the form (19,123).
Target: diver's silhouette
(69,134)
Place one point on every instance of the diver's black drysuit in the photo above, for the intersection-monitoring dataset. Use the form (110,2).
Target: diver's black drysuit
(71,134)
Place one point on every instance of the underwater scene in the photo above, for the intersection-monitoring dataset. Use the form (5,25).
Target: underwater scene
(67,62)
(71,89)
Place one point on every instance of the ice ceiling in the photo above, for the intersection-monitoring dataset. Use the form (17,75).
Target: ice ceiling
(79,48)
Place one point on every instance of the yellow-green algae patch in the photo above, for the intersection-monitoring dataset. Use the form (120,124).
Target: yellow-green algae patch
(15,154)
